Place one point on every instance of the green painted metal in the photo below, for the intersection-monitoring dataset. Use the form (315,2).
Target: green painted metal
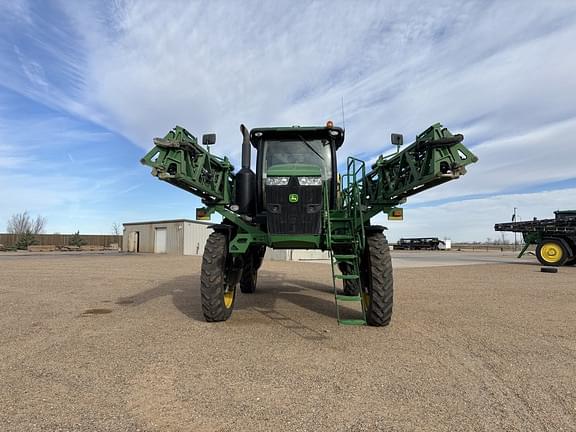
(295,241)
(435,157)
(352,322)
(179,160)
(349,298)
(529,239)
(288,170)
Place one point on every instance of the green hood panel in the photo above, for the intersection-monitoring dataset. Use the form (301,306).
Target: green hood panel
(289,170)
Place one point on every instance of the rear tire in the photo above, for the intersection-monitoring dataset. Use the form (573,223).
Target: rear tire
(551,252)
(218,293)
(252,262)
(349,287)
(249,276)
(377,280)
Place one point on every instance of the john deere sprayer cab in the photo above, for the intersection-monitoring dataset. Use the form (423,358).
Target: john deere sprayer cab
(298,200)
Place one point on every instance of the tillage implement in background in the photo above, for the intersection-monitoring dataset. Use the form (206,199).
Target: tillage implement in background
(297,200)
(555,239)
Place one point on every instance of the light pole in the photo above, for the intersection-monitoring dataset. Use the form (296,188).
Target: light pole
(514,220)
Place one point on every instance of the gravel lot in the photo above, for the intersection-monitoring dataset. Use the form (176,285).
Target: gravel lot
(118,343)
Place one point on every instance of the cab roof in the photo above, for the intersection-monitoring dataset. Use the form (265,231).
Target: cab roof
(307,132)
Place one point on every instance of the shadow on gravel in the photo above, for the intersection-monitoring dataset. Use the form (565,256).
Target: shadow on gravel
(185,293)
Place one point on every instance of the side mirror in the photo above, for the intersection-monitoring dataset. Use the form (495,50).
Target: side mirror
(208,139)
(397,139)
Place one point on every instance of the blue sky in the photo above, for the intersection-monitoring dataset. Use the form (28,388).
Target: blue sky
(85,86)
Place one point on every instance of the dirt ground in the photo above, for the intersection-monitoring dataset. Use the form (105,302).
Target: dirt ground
(118,343)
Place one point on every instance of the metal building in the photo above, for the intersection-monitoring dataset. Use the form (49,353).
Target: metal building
(176,237)
(188,237)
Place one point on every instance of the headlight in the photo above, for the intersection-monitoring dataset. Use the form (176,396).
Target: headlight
(310,181)
(277,181)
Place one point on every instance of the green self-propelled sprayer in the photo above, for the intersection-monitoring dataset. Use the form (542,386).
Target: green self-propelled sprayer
(297,200)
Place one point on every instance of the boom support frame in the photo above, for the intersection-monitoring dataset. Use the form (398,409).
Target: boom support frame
(434,158)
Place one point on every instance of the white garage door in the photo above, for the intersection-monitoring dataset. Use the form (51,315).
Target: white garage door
(160,240)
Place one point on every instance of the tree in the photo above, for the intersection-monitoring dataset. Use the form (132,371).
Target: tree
(76,240)
(116,229)
(23,223)
(26,228)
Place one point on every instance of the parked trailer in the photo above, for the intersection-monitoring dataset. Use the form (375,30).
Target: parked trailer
(419,243)
(555,239)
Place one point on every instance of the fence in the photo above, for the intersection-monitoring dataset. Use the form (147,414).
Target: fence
(489,247)
(10,240)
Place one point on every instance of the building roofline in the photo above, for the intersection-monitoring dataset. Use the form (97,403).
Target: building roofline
(168,221)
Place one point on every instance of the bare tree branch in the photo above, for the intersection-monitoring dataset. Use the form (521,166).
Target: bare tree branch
(39,225)
(23,223)
(116,229)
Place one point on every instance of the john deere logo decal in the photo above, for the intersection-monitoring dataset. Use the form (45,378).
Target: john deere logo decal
(293,198)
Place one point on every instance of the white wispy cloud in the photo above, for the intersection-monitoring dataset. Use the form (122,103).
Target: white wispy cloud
(500,72)
(398,67)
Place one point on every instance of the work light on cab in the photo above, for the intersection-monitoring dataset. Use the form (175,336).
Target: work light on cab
(277,181)
(310,181)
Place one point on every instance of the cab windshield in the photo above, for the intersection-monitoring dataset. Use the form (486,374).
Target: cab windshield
(299,151)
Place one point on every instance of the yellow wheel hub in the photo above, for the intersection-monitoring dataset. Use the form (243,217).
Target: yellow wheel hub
(551,252)
(228,298)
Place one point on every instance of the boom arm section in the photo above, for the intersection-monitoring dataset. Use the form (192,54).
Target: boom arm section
(435,157)
(179,160)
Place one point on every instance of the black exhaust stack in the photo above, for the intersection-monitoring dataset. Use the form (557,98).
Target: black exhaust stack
(246,179)
(245,146)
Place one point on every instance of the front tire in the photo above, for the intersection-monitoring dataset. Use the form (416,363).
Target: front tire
(551,252)
(377,280)
(217,290)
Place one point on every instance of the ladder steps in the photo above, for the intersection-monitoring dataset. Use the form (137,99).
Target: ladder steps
(352,322)
(346,277)
(342,230)
(356,298)
(344,237)
(344,257)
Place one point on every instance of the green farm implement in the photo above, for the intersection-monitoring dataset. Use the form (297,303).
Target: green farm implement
(297,200)
(555,239)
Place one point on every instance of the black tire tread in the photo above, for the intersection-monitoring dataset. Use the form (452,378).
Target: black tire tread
(249,277)
(381,283)
(212,278)
(349,287)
